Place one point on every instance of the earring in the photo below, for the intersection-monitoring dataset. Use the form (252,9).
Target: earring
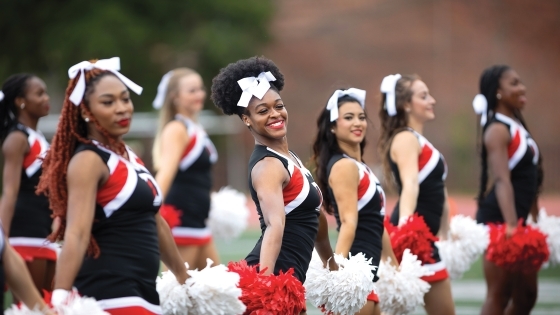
(22,106)
(248,125)
(408,110)
(498,96)
(332,130)
(86,119)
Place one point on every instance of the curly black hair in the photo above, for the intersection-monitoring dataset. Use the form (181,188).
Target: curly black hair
(225,90)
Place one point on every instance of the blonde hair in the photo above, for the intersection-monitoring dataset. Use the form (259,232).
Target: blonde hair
(168,110)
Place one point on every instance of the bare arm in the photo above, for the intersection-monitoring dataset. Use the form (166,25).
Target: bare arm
(19,280)
(344,180)
(14,148)
(169,252)
(444,224)
(85,173)
(174,140)
(405,150)
(323,244)
(387,249)
(269,177)
(496,140)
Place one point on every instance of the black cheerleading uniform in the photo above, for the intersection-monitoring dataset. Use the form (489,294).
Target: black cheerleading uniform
(123,277)
(523,157)
(190,189)
(2,274)
(371,211)
(432,171)
(302,202)
(31,223)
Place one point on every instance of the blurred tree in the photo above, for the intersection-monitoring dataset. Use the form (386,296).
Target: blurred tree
(151,37)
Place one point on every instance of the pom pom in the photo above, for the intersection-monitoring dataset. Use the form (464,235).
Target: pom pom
(78,305)
(415,235)
(213,290)
(465,243)
(526,250)
(174,299)
(22,310)
(269,294)
(228,213)
(549,225)
(342,291)
(171,215)
(401,289)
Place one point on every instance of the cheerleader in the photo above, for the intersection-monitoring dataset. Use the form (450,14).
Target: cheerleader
(26,215)
(287,198)
(355,194)
(419,171)
(105,197)
(183,156)
(512,157)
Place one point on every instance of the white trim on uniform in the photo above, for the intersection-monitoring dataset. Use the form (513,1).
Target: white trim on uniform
(33,242)
(129,301)
(181,231)
(439,266)
(126,191)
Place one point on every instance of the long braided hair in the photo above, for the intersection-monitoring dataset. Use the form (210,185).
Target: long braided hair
(71,131)
(489,85)
(12,88)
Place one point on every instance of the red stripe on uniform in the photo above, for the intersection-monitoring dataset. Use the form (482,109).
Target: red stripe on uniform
(188,241)
(437,276)
(114,185)
(190,146)
(136,310)
(424,157)
(29,253)
(514,144)
(363,186)
(294,187)
(34,152)
(373,297)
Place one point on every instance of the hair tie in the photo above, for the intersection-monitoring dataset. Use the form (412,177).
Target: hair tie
(162,90)
(252,86)
(388,86)
(1,96)
(113,65)
(480,105)
(332,104)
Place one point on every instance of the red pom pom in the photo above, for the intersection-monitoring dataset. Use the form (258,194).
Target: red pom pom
(414,235)
(171,215)
(269,294)
(525,251)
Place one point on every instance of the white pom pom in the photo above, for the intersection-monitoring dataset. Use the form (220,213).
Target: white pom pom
(466,241)
(228,213)
(213,290)
(23,310)
(80,305)
(549,225)
(400,289)
(173,296)
(342,291)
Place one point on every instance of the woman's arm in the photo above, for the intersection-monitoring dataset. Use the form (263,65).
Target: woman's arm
(174,139)
(14,148)
(323,244)
(85,173)
(169,252)
(496,140)
(387,249)
(405,150)
(444,224)
(19,280)
(344,180)
(269,176)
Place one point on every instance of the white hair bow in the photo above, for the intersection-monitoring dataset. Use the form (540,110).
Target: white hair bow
(254,86)
(332,104)
(161,90)
(480,105)
(113,65)
(1,96)
(388,87)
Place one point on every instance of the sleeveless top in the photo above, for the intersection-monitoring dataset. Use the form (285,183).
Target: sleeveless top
(125,230)
(302,202)
(432,171)
(523,158)
(32,216)
(2,276)
(371,211)
(190,189)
